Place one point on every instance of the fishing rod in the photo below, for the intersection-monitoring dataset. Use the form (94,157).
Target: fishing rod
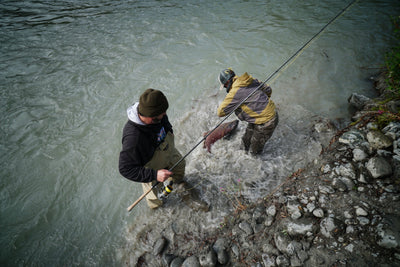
(164,193)
(290,59)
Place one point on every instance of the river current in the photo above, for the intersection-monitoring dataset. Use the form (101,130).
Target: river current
(69,70)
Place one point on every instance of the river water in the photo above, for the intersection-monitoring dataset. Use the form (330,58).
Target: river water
(69,69)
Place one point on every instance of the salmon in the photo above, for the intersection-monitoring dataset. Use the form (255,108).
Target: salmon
(224,130)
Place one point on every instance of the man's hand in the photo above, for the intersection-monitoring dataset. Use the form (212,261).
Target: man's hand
(163,175)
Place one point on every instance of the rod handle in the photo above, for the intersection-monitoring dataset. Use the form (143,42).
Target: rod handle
(141,197)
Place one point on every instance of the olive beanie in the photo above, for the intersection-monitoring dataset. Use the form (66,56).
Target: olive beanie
(152,103)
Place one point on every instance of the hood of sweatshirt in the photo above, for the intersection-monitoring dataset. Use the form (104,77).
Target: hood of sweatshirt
(133,114)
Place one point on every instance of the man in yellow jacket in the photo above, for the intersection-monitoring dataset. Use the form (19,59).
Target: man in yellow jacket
(258,110)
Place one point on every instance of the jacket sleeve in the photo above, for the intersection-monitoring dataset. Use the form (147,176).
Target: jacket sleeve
(131,160)
(133,170)
(227,105)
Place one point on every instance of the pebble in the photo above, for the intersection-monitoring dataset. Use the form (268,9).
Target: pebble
(326,189)
(246,227)
(271,211)
(192,261)
(361,212)
(319,213)
(359,155)
(208,260)
(159,246)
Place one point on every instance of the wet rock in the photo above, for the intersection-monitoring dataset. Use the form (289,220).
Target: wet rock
(396,166)
(323,200)
(167,259)
(268,260)
(296,253)
(349,248)
(352,138)
(363,220)
(364,178)
(246,227)
(299,258)
(222,257)
(388,232)
(258,228)
(346,170)
(378,167)
(282,261)
(220,247)
(358,101)
(326,189)
(282,199)
(319,213)
(310,207)
(235,250)
(339,185)
(220,244)
(258,215)
(359,155)
(393,106)
(331,227)
(383,153)
(326,169)
(208,260)
(300,227)
(192,261)
(343,184)
(378,140)
(159,246)
(392,127)
(361,212)
(269,220)
(282,241)
(396,147)
(293,208)
(269,249)
(176,262)
(271,211)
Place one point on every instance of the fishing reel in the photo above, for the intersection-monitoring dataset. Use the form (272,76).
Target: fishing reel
(166,190)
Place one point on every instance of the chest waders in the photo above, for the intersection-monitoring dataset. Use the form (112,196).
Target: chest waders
(164,158)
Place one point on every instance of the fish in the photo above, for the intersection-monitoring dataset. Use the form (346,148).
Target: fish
(224,130)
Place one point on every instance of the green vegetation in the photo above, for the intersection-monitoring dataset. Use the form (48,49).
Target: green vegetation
(392,62)
(383,115)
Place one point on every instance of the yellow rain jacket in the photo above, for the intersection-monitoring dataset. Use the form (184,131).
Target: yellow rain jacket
(257,109)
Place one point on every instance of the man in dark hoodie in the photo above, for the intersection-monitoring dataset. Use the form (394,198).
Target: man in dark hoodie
(148,148)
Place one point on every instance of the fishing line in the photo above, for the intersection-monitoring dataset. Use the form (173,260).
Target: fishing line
(279,70)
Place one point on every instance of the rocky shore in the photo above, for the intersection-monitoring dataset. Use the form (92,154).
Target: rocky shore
(343,209)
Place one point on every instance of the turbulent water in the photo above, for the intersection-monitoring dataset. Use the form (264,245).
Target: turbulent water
(69,69)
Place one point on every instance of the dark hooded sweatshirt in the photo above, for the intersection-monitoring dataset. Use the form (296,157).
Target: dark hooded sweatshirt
(139,143)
